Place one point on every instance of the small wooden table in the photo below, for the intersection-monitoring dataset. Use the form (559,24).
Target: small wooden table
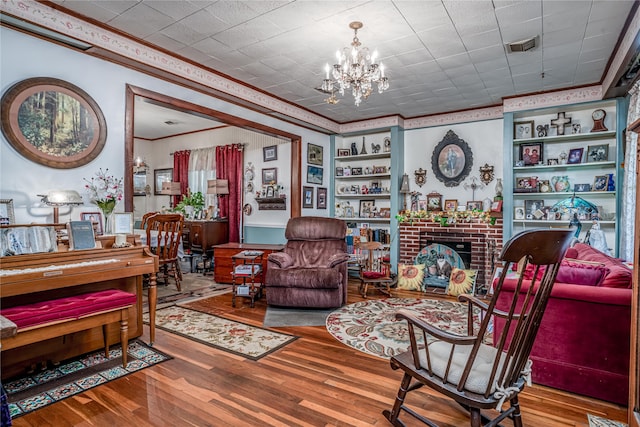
(222,258)
(248,275)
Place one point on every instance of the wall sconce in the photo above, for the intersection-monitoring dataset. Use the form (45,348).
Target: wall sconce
(404,190)
(57,198)
(171,189)
(219,187)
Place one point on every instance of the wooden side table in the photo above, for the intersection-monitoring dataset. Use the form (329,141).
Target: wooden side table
(222,264)
(247,274)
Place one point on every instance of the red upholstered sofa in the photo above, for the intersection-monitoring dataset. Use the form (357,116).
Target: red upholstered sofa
(583,342)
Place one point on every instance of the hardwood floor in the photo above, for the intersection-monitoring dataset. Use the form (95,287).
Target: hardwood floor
(314,381)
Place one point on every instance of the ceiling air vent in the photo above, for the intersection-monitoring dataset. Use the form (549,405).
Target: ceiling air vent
(522,45)
(170,123)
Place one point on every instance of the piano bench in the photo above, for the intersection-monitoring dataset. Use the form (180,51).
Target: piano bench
(54,318)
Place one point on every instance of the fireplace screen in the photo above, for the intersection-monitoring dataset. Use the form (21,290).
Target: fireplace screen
(440,258)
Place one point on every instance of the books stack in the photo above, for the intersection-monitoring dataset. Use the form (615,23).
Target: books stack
(246,269)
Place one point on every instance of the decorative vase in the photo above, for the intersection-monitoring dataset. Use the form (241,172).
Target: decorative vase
(107,207)
(364,148)
(611,185)
(560,183)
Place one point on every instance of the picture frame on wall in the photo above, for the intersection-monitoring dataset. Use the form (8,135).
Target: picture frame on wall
(269,176)
(160,176)
(321,203)
(307,197)
(270,153)
(314,175)
(523,129)
(139,184)
(314,154)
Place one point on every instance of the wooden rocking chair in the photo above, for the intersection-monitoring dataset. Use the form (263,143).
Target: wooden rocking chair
(374,267)
(477,375)
(168,235)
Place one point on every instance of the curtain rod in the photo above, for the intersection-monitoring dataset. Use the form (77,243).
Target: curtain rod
(241,144)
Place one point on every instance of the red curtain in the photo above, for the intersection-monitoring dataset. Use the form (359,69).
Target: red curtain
(229,161)
(181,173)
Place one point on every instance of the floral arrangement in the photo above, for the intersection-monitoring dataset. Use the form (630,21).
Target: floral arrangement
(446,218)
(105,190)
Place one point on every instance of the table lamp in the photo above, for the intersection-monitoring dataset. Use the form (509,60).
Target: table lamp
(57,198)
(171,189)
(218,187)
(404,190)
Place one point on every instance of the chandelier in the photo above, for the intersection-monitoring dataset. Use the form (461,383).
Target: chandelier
(356,69)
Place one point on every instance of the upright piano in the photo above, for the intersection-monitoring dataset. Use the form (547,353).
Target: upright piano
(38,277)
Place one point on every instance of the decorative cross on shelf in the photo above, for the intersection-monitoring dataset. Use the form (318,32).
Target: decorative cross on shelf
(560,123)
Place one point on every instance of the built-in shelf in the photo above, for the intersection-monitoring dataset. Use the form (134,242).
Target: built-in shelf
(363,196)
(381,155)
(365,219)
(564,195)
(591,165)
(367,176)
(568,138)
(271,203)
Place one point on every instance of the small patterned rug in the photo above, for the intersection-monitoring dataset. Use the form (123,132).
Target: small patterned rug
(595,421)
(77,375)
(224,334)
(370,326)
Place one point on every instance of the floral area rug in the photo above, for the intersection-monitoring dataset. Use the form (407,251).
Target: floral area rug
(595,421)
(370,326)
(77,375)
(224,334)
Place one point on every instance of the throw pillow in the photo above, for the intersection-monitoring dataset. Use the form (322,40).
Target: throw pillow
(410,276)
(581,273)
(461,281)
(620,275)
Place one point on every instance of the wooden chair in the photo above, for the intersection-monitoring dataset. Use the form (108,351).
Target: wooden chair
(374,267)
(468,369)
(164,233)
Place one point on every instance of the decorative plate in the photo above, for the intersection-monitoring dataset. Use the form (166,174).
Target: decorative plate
(247,209)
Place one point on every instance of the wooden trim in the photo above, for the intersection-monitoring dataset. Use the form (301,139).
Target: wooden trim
(634,356)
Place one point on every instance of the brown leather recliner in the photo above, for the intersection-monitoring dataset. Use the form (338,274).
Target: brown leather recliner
(311,271)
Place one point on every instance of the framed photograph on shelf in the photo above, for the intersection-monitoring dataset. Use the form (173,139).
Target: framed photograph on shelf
(523,130)
(575,156)
(95,218)
(366,208)
(450,205)
(270,153)
(307,197)
(598,153)
(314,154)
(474,205)
(531,154)
(422,205)
(7,215)
(531,207)
(339,171)
(123,223)
(269,175)
(356,171)
(600,183)
(314,175)
(518,212)
(434,201)
(552,162)
(386,212)
(160,176)
(526,184)
(580,188)
(348,212)
(496,206)
(322,198)
(342,152)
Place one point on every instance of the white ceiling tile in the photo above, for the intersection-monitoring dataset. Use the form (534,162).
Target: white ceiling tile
(141,21)
(175,9)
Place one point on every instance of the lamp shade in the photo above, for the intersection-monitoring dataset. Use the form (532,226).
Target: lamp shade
(171,188)
(404,186)
(218,186)
(61,198)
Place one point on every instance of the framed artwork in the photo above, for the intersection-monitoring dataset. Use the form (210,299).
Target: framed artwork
(7,214)
(450,205)
(314,154)
(600,183)
(496,206)
(575,156)
(321,203)
(343,152)
(451,160)
(580,188)
(598,153)
(366,208)
(269,176)
(523,130)
(270,191)
(531,207)
(526,184)
(356,171)
(314,175)
(307,197)
(270,153)
(123,223)
(518,212)
(96,218)
(552,162)
(160,176)
(474,205)
(339,171)
(386,212)
(434,202)
(531,154)
(348,211)
(422,205)
(80,130)
(139,184)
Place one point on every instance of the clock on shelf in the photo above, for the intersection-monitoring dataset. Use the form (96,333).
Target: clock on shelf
(598,120)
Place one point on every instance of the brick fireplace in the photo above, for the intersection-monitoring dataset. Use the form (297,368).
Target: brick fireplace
(486,242)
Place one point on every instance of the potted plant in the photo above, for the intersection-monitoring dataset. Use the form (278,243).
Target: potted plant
(191,204)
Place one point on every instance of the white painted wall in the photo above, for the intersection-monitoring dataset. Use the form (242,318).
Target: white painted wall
(485,140)
(22,180)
